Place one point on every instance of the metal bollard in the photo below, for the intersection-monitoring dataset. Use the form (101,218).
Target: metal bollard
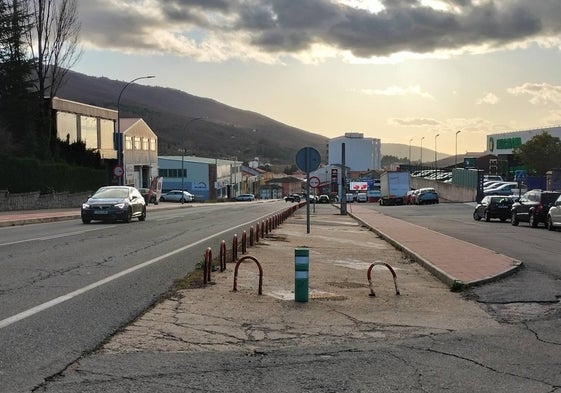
(301,273)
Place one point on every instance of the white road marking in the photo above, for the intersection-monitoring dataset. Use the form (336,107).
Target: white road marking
(57,236)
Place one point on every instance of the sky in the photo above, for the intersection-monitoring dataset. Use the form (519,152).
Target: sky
(403,71)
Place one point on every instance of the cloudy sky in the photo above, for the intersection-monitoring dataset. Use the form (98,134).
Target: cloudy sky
(398,70)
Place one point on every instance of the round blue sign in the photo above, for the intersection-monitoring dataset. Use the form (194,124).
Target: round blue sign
(308,159)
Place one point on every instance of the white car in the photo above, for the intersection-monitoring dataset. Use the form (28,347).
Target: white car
(554,215)
(362,197)
(177,196)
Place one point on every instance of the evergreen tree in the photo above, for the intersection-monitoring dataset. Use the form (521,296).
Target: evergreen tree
(17,100)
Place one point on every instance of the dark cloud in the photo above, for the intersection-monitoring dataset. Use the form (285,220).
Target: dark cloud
(286,26)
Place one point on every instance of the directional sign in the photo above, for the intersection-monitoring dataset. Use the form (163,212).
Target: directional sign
(308,159)
(314,182)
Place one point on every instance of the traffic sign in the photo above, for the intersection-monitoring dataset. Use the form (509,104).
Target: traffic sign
(118,170)
(314,182)
(308,159)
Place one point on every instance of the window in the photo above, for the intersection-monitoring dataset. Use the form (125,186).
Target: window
(145,144)
(107,131)
(88,131)
(67,129)
(128,143)
(137,143)
(152,144)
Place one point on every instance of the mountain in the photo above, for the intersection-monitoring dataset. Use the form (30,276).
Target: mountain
(221,131)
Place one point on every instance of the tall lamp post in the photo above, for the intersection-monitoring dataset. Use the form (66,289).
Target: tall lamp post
(183,157)
(119,136)
(436,136)
(410,140)
(456,160)
(422,151)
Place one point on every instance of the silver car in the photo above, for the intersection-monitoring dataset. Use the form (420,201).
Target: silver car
(177,196)
(554,215)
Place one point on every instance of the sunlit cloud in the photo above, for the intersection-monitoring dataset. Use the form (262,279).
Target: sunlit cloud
(488,99)
(398,91)
(352,30)
(413,122)
(539,93)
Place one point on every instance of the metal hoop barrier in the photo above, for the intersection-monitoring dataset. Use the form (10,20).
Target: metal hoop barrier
(369,276)
(235,247)
(208,266)
(260,291)
(244,242)
(223,255)
(251,236)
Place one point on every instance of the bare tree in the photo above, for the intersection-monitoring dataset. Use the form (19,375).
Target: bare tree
(53,42)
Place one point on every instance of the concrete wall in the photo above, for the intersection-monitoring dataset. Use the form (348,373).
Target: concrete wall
(35,200)
(446,191)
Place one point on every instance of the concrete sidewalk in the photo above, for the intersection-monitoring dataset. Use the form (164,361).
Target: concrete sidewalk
(457,263)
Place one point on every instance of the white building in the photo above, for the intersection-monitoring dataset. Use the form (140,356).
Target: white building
(505,143)
(361,154)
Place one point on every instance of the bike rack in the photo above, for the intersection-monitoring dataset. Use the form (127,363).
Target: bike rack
(260,291)
(369,276)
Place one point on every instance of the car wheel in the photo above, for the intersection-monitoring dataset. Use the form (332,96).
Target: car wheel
(487,217)
(550,224)
(514,219)
(476,216)
(86,220)
(128,217)
(162,199)
(532,220)
(142,216)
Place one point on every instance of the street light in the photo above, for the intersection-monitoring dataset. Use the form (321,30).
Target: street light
(456,160)
(436,136)
(119,136)
(422,151)
(183,157)
(410,140)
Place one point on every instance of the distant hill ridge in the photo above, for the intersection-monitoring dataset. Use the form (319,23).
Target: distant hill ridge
(223,131)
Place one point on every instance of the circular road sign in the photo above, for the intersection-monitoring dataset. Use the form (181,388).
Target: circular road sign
(118,170)
(308,159)
(314,182)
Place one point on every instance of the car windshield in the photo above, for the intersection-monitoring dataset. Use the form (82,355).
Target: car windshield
(112,193)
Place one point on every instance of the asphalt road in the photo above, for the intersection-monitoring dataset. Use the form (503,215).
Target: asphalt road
(65,287)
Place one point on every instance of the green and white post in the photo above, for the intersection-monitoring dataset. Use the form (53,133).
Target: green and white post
(301,267)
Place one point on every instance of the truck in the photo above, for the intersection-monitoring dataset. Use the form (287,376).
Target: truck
(393,187)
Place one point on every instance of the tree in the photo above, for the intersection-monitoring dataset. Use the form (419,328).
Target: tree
(540,154)
(16,98)
(53,42)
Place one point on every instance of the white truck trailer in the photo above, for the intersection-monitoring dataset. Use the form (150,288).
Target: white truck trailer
(393,187)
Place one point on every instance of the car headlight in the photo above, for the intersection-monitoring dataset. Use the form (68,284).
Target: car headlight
(120,205)
(85,206)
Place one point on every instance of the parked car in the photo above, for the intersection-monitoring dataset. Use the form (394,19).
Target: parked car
(292,198)
(177,196)
(493,206)
(533,207)
(361,197)
(323,198)
(426,195)
(492,177)
(410,197)
(350,197)
(554,215)
(501,189)
(149,197)
(114,203)
(245,197)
